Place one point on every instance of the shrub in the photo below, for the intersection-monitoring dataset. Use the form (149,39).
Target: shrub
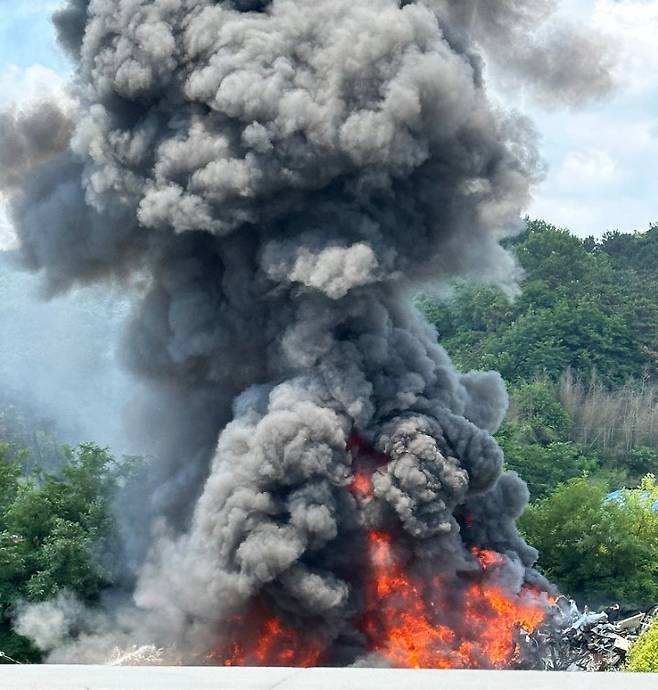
(596,549)
(643,657)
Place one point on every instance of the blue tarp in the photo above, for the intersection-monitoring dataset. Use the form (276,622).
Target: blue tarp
(618,497)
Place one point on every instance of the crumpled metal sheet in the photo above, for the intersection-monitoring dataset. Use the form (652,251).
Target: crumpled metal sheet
(574,640)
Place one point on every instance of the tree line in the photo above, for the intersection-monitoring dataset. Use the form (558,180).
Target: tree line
(579,350)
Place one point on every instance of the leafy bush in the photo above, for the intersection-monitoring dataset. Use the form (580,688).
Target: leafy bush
(643,657)
(537,409)
(596,549)
(544,467)
(54,531)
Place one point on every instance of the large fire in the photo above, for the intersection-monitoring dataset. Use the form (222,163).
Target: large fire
(412,621)
(261,639)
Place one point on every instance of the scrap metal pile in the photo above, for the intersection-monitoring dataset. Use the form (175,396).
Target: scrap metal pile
(574,640)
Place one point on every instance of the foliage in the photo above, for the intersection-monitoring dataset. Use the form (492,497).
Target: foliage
(637,251)
(642,460)
(545,467)
(539,413)
(584,306)
(535,439)
(54,530)
(643,657)
(619,424)
(598,549)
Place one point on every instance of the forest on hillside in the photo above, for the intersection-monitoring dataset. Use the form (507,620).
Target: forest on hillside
(578,347)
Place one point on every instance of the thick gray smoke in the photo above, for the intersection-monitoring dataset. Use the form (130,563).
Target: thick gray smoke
(288,174)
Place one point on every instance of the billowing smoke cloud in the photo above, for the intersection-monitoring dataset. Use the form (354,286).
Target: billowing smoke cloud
(287,174)
(559,61)
(29,138)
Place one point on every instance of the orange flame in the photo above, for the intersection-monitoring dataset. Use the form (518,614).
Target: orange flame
(365,462)
(267,642)
(412,621)
(406,621)
(362,485)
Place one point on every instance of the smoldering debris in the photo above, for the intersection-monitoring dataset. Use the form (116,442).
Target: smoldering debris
(146,655)
(573,640)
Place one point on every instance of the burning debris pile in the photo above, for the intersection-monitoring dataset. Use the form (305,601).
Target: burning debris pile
(571,640)
(287,175)
(410,617)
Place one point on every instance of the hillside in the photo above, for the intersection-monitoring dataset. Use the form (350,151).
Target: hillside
(579,350)
(587,305)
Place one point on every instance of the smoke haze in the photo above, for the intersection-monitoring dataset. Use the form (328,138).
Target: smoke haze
(59,365)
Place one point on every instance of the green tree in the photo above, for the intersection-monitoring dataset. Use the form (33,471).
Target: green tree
(539,413)
(544,467)
(637,251)
(535,439)
(581,307)
(55,530)
(598,549)
(641,461)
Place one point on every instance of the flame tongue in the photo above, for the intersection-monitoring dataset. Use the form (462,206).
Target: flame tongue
(411,620)
(412,624)
(365,462)
(396,622)
(262,639)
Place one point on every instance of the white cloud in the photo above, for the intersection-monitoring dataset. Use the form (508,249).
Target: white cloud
(595,215)
(20,86)
(7,234)
(636,26)
(604,158)
(587,168)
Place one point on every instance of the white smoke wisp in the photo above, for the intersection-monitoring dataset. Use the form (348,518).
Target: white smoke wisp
(288,174)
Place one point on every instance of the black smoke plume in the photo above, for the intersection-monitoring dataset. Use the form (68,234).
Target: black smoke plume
(288,174)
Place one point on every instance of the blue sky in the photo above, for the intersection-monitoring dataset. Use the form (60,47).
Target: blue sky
(603,159)
(27,36)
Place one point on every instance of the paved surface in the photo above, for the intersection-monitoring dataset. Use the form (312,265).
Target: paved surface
(158,678)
